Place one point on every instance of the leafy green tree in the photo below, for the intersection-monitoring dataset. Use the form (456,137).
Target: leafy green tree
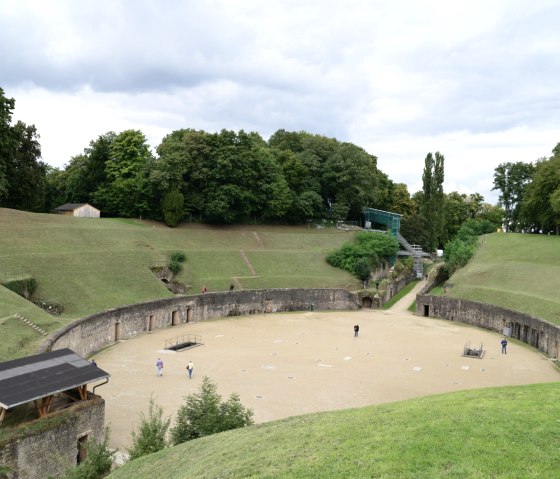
(151,435)
(511,179)
(205,413)
(456,210)
(362,269)
(26,174)
(126,191)
(537,209)
(7,142)
(400,201)
(432,207)
(55,194)
(172,207)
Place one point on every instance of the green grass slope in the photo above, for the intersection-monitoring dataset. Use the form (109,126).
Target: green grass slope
(500,433)
(89,265)
(515,271)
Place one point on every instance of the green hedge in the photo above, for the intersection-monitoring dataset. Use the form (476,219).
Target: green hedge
(24,286)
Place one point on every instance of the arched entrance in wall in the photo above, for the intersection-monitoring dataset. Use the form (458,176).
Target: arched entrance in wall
(367,302)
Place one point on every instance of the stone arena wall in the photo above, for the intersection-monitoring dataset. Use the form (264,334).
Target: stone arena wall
(49,452)
(536,332)
(92,333)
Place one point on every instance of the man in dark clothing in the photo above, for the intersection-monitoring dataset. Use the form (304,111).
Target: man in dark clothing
(356,330)
(504,346)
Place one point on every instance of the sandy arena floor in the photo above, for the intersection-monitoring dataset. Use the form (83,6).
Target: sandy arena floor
(287,364)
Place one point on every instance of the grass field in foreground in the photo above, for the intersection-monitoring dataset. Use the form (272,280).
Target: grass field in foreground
(515,271)
(499,433)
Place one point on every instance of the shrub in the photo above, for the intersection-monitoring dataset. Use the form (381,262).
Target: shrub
(151,434)
(172,206)
(371,246)
(24,286)
(178,256)
(97,464)
(362,269)
(204,413)
(175,267)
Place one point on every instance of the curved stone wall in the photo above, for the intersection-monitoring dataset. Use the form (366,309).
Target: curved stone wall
(94,332)
(536,332)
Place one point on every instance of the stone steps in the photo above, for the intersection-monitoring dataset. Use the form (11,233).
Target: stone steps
(31,324)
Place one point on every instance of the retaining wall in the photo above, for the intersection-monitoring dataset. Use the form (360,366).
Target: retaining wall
(94,332)
(49,452)
(536,332)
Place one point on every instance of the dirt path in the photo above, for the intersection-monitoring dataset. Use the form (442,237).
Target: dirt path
(288,364)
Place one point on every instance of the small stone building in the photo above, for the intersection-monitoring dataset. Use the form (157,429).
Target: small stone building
(83,210)
(45,440)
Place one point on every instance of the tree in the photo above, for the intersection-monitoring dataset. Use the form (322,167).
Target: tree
(26,174)
(172,207)
(126,191)
(432,206)
(511,180)
(151,434)
(204,413)
(537,205)
(7,143)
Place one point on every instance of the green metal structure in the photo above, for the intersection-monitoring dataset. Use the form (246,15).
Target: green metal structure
(391,220)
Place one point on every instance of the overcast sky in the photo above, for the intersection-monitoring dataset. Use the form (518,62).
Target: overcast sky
(478,81)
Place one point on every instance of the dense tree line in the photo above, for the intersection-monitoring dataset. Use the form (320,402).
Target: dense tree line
(230,177)
(530,194)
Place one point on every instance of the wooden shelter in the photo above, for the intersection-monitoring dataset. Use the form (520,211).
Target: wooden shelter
(44,377)
(83,210)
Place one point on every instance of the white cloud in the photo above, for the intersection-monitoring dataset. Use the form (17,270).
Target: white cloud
(475,80)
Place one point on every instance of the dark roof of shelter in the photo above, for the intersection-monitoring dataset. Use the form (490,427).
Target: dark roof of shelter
(34,377)
(70,206)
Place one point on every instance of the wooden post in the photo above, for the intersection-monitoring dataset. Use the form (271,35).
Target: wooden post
(82,391)
(43,405)
(2,414)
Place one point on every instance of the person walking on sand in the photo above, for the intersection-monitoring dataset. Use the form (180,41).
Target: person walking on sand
(159,367)
(356,330)
(504,346)
(190,368)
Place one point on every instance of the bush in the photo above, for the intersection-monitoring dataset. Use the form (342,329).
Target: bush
(24,286)
(175,267)
(97,464)
(204,413)
(362,269)
(172,207)
(151,434)
(178,256)
(371,246)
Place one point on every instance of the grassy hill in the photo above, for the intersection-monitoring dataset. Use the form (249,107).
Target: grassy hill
(516,271)
(498,433)
(89,265)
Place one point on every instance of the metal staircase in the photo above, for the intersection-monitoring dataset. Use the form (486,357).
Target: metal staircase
(415,251)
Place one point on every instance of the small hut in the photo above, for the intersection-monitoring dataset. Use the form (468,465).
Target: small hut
(83,210)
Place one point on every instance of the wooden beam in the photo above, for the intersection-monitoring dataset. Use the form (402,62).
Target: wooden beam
(43,405)
(82,391)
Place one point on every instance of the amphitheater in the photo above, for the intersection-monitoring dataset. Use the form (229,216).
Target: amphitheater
(292,363)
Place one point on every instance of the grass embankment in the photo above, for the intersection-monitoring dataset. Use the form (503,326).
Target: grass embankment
(515,271)
(500,433)
(89,265)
